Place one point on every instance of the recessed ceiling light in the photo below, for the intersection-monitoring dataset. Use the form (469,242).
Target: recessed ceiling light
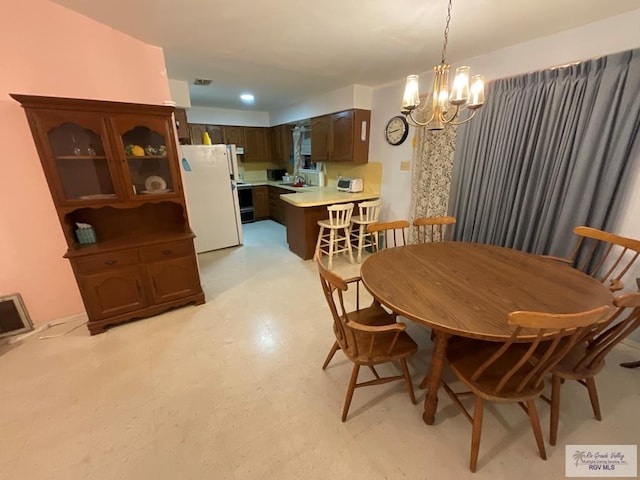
(247,98)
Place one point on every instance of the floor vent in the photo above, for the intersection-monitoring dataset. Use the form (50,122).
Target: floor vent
(14,318)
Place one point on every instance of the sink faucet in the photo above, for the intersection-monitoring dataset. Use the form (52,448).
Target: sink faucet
(299,178)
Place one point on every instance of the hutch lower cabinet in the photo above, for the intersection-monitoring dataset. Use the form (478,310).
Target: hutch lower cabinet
(113,172)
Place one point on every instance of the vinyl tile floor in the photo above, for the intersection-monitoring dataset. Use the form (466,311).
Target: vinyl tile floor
(233,389)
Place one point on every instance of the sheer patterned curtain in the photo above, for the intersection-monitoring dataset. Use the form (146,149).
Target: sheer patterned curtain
(432,166)
(548,151)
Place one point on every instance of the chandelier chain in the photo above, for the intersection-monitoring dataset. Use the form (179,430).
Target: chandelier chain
(446,33)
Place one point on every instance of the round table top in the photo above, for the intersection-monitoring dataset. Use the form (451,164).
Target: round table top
(468,289)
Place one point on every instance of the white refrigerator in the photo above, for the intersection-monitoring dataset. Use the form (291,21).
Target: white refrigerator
(209,173)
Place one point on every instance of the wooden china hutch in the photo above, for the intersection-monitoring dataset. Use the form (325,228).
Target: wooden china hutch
(114,166)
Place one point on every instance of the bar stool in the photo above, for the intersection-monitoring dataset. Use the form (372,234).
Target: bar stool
(369,213)
(329,241)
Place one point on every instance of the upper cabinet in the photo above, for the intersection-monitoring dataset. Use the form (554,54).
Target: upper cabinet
(150,167)
(341,137)
(182,125)
(282,144)
(234,136)
(257,147)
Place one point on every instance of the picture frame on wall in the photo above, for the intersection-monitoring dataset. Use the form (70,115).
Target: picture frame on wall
(14,318)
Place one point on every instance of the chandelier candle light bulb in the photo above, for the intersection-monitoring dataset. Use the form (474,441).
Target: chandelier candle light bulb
(461,95)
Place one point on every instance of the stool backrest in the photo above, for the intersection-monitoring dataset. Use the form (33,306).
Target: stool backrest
(370,211)
(340,214)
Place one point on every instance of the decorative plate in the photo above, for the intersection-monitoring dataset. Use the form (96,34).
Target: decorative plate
(155,183)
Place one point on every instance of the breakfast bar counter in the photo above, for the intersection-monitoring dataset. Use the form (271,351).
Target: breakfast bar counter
(322,196)
(305,208)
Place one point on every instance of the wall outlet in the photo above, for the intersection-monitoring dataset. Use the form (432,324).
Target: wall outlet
(405,165)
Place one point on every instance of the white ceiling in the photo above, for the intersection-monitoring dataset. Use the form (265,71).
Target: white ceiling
(284,51)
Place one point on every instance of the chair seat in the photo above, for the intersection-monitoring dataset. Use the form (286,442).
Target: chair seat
(404,347)
(464,364)
(362,220)
(327,224)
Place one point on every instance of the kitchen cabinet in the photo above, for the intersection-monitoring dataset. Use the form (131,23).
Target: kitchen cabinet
(216,134)
(115,167)
(196,131)
(276,205)
(234,136)
(341,137)
(260,195)
(182,125)
(282,144)
(257,146)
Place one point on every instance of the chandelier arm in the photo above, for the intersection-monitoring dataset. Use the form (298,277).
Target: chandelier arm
(473,112)
(452,117)
(415,122)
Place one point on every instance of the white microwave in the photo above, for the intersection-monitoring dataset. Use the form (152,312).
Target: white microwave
(352,185)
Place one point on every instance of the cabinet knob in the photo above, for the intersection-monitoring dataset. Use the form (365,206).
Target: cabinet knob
(110,262)
(166,252)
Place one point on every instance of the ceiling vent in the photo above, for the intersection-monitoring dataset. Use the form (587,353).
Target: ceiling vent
(202,82)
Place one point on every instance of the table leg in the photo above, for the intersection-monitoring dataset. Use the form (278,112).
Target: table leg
(435,376)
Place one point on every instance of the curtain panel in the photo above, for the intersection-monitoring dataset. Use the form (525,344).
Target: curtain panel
(547,152)
(431,175)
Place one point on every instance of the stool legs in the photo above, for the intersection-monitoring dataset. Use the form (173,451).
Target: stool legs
(347,234)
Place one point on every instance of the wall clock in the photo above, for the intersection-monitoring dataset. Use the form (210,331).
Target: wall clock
(396,130)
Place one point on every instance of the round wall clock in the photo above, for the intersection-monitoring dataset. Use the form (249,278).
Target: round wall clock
(396,130)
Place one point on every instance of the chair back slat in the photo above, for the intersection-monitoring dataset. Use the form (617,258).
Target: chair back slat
(394,233)
(340,214)
(434,229)
(555,335)
(370,211)
(612,332)
(604,256)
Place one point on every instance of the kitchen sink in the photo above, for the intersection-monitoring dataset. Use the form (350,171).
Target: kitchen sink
(295,185)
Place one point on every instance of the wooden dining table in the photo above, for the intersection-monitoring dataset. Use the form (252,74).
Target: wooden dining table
(468,289)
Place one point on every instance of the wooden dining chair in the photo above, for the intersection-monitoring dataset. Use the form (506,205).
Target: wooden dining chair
(367,336)
(509,372)
(586,359)
(334,236)
(393,233)
(434,229)
(602,255)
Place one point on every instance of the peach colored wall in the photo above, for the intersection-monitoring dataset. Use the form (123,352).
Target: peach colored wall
(46,49)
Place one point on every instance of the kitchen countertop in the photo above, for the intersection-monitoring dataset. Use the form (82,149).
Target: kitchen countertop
(311,196)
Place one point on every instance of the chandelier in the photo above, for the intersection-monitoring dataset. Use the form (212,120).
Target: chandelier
(446,107)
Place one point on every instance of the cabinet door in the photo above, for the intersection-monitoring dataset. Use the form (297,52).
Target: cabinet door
(112,292)
(196,131)
(147,145)
(216,134)
(260,202)
(173,279)
(78,160)
(320,149)
(182,127)
(257,148)
(282,144)
(234,136)
(341,137)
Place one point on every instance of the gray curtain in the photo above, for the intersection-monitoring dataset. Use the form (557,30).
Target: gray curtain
(548,151)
